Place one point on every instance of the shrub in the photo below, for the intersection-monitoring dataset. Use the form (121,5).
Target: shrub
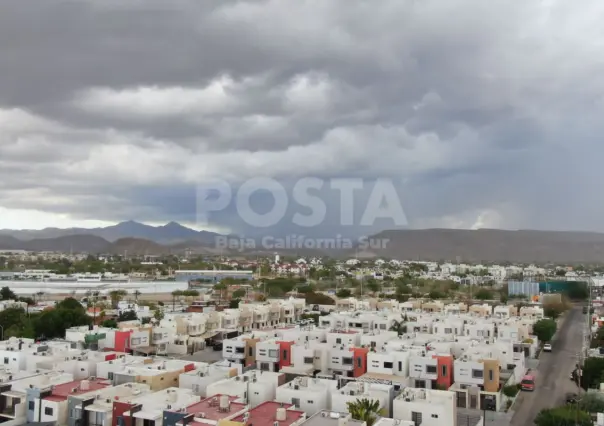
(510,391)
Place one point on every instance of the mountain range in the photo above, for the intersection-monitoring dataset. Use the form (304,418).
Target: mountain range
(484,245)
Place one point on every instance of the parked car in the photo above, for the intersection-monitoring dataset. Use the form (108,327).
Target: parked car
(572,398)
(217,346)
(547,347)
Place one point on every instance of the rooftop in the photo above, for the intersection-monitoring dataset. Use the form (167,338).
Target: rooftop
(210,409)
(77,387)
(266,414)
(330,418)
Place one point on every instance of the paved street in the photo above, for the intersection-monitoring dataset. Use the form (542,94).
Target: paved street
(552,376)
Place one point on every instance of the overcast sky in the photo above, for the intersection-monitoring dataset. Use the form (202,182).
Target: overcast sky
(484,113)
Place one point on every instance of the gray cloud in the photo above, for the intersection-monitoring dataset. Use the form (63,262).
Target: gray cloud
(488,114)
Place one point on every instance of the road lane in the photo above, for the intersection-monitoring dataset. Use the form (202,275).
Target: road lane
(553,373)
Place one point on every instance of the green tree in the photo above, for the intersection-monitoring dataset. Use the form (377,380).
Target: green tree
(158,315)
(593,373)
(175,294)
(483,294)
(592,403)
(563,416)
(71,304)
(221,287)
(436,294)
(553,310)
(127,316)
(343,293)
(239,293)
(318,299)
(136,293)
(365,410)
(545,329)
(399,326)
(110,323)
(7,294)
(116,296)
(234,303)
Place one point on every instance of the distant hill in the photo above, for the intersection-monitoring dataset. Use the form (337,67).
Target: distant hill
(75,243)
(171,233)
(491,245)
(485,245)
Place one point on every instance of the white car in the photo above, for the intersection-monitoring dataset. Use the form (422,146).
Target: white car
(547,347)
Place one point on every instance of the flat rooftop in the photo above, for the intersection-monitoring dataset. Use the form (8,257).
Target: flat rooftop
(77,387)
(266,414)
(210,407)
(330,418)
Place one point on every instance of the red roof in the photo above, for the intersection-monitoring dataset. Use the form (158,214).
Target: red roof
(266,413)
(211,410)
(61,392)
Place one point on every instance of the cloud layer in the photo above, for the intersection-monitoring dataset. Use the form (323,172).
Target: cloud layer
(485,114)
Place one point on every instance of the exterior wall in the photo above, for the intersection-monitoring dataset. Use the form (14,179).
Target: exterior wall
(170,418)
(161,381)
(446,414)
(59,411)
(491,375)
(463,372)
(122,340)
(310,401)
(419,368)
(359,361)
(250,351)
(73,402)
(119,408)
(35,395)
(285,354)
(445,371)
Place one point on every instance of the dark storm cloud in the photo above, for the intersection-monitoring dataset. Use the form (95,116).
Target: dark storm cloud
(487,113)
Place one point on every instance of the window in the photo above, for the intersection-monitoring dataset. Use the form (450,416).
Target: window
(296,402)
(491,375)
(48,411)
(346,361)
(359,362)
(135,341)
(6,360)
(435,416)
(308,360)
(110,376)
(32,405)
(382,326)
(285,355)
(338,341)
(444,371)
(477,374)
(311,402)
(250,351)
(388,365)
(273,353)
(448,330)
(430,369)
(400,366)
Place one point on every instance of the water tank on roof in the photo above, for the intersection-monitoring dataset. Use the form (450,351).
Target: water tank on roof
(281,414)
(224,401)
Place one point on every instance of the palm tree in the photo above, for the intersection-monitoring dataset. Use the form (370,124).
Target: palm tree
(136,294)
(400,326)
(116,296)
(175,294)
(365,410)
